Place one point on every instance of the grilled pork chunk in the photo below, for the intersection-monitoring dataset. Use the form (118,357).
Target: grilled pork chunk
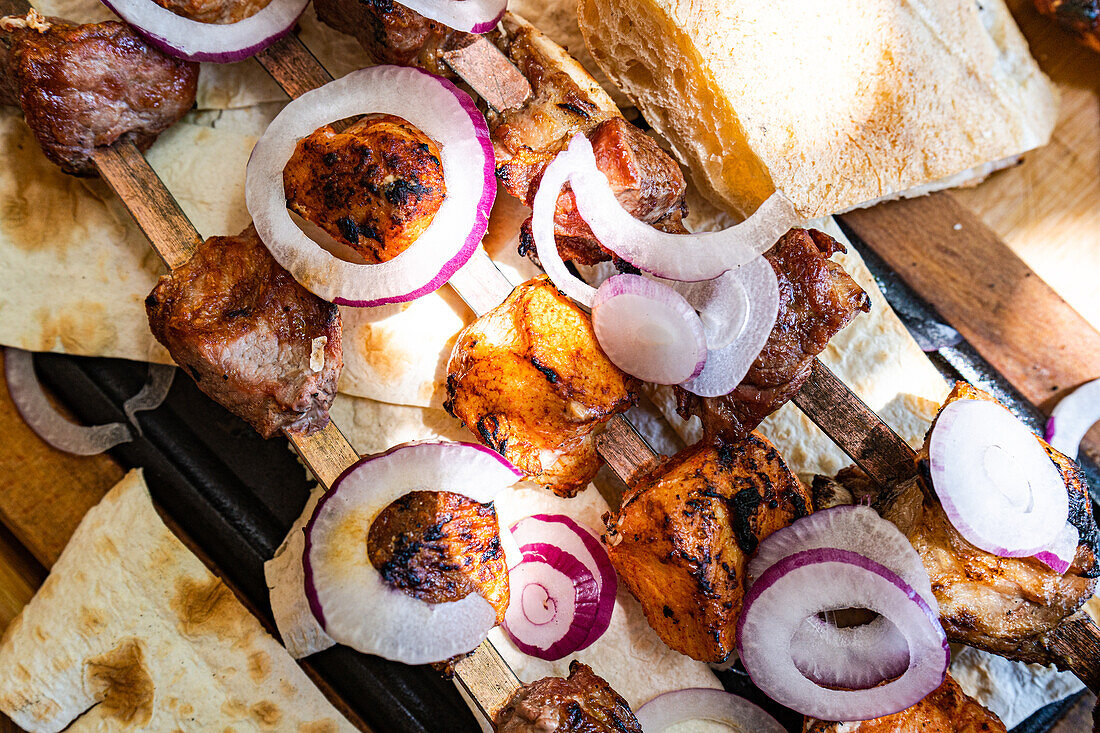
(375,187)
(1079,18)
(817,298)
(580,703)
(214,11)
(439,546)
(946,710)
(529,379)
(684,534)
(82,87)
(252,338)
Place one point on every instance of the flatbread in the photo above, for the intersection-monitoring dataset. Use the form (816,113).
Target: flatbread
(130,630)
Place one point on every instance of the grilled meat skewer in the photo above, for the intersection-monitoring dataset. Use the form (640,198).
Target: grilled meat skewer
(580,703)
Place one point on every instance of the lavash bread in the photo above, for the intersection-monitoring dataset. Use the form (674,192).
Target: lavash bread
(836,103)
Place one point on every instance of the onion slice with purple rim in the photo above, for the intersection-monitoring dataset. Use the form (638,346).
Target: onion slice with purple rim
(348,596)
(995,480)
(811,582)
(648,330)
(441,111)
(152,393)
(1072,417)
(702,703)
(1059,555)
(46,422)
(192,40)
(471,16)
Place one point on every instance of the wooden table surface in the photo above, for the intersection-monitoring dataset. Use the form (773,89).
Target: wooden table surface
(1047,210)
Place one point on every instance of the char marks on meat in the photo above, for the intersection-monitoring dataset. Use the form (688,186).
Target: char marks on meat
(817,298)
(252,338)
(1079,18)
(82,87)
(580,703)
(686,530)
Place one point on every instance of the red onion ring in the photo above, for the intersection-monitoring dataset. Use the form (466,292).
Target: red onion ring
(196,41)
(471,16)
(1072,417)
(444,113)
(648,330)
(152,393)
(46,422)
(350,599)
(995,480)
(1060,554)
(815,581)
(702,703)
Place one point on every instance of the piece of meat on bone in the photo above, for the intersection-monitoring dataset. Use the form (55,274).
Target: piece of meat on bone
(252,338)
(817,298)
(686,530)
(947,709)
(83,87)
(583,702)
(529,379)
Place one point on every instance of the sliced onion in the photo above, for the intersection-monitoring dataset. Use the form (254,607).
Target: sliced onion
(350,599)
(700,256)
(811,582)
(647,329)
(702,703)
(852,657)
(441,111)
(152,394)
(582,543)
(1072,417)
(752,285)
(554,604)
(48,423)
(471,16)
(995,481)
(196,41)
(1059,555)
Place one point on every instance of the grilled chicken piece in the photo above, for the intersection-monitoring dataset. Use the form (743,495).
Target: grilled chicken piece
(817,298)
(82,87)
(685,532)
(580,703)
(947,709)
(214,11)
(1004,605)
(439,546)
(252,338)
(374,187)
(530,380)
(1079,18)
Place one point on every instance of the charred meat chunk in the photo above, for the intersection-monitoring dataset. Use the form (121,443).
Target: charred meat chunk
(947,709)
(817,298)
(374,187)
(529,379)
(686,530)
(581,703)
(82,87)
(252,338)
(214,11)
(1079,18)
(439,546)
(1003,605)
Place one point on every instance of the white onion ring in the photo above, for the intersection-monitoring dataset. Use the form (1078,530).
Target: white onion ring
(1072,417)
(995,480)
(648,330)
(349,597)
(47,423)
(193,40)
(471,16)
(702,703)
(441,111)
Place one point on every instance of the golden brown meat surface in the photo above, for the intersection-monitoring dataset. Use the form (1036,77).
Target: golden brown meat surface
(1079,18)
(685,532)
(83,87)
(252,338)
(529,379)
(1004,605)
(947,709)
(439,546)
(817,298)
(580,703)
(375,186)
(214,11)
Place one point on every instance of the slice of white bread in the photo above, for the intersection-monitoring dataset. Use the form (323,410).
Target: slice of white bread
(838,103)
